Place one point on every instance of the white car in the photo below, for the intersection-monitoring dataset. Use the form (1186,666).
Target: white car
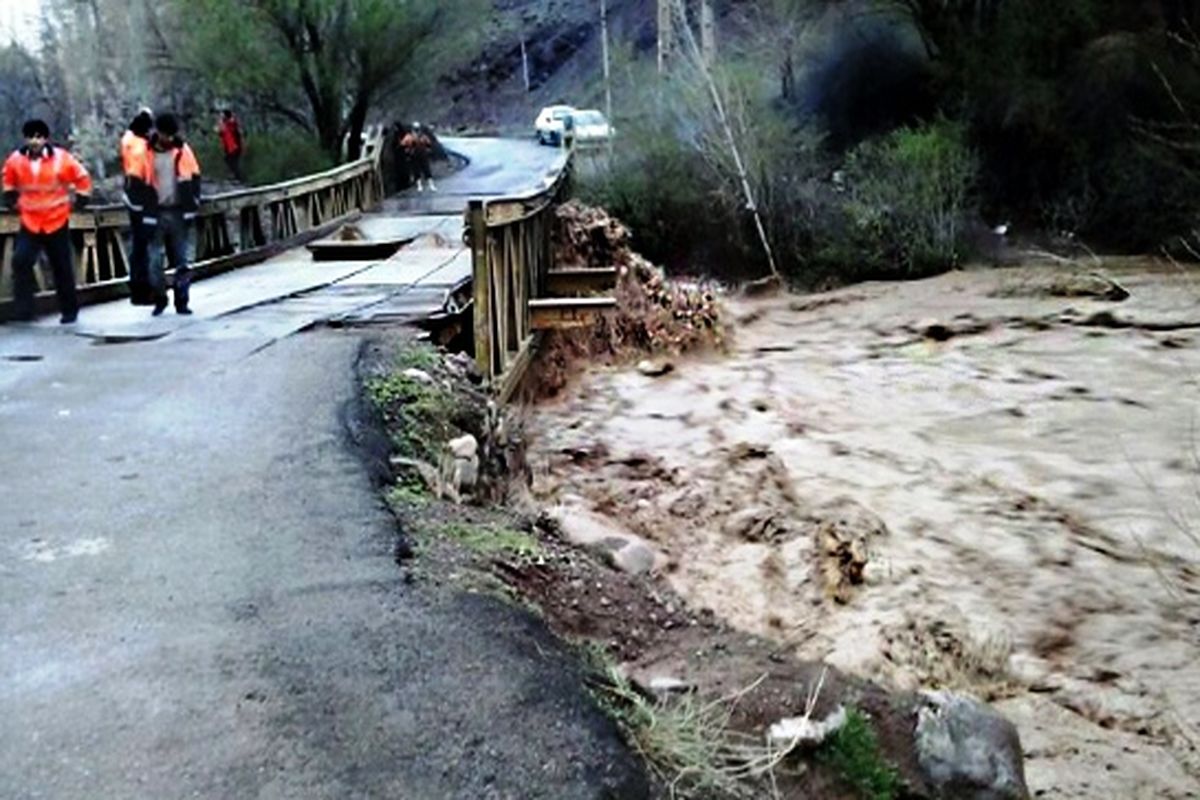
(591,127)
(550,124)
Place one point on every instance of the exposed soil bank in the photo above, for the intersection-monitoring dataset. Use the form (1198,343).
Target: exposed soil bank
(958,482)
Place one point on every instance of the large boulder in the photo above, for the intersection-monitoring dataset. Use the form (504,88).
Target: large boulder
(967,751)
(620,548)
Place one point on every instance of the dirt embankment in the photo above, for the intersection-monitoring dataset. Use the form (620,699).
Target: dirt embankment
(963,482)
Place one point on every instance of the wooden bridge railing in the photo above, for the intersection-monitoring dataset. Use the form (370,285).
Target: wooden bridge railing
(512,253)
(232,229)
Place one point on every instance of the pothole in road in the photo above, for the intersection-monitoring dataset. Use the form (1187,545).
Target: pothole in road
(100,339)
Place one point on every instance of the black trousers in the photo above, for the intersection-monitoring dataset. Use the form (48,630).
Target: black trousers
(140,237)
(57,247)
(420,162)
(234,162)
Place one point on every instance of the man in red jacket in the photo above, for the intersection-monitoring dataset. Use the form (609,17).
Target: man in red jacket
(229,130)
(36,181)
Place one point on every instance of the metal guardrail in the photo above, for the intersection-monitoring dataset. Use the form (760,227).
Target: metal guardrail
(512,254)
(231,230)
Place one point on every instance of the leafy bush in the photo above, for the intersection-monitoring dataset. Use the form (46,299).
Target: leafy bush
(664,192)
(897,209)
(908,197)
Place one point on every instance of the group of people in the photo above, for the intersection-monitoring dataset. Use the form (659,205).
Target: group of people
(162,195)
(414,151)
(43,182)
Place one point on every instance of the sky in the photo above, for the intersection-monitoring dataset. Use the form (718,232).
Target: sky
(18,19)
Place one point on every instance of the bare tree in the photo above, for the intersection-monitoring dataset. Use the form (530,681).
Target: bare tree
(342,57)
(725,123)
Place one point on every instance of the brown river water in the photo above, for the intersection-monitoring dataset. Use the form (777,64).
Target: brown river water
(963,482)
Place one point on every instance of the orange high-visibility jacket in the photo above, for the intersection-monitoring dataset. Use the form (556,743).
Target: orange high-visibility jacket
(137,162)
(135,152)
(187,173)
(44,202)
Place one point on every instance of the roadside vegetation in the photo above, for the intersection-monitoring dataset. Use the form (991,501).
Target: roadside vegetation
(853,753)
(895,138)
(693,744)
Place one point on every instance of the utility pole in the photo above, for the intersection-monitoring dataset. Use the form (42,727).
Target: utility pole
(604,50)
(524,63)
(708,32)
(666,32)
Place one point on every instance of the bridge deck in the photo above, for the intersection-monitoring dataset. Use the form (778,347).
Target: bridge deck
(292,291)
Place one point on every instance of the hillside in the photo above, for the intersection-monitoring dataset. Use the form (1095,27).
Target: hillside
(564,54)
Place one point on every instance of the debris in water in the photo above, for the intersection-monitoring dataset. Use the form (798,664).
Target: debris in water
(654,369)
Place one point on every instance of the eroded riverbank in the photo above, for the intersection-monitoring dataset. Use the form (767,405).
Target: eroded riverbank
(964,482)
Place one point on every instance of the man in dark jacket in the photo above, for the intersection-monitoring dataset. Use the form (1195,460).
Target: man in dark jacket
(177,195)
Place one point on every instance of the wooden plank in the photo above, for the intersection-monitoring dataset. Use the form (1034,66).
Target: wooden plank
(510,381)
(573,312)
(577,281)
(477,230)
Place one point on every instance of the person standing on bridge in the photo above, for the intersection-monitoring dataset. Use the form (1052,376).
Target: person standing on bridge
(36,180)
(137,163)
(176,179)
(418,144)
(402,168)
(233,143)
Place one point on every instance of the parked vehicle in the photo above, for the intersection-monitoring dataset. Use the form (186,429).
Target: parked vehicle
(553,123)
(591,127)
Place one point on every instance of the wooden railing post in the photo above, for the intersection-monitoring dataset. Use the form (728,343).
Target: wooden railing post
(482,278)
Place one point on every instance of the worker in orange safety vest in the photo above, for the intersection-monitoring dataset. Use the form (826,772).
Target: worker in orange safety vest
(137,164)
(37,181)
(176,181)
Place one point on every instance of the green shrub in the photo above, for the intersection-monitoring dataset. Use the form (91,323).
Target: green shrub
(662,189)
(853,753)
(908,197)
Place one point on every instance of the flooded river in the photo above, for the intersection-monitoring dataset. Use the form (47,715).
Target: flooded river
(967,481)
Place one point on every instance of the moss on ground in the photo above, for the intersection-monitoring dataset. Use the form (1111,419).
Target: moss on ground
(408,492)
(419,414)
(492,540)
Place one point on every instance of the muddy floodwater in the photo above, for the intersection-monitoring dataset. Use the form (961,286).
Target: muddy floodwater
(970,481)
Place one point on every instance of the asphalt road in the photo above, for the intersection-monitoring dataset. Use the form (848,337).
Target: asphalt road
(494,167)
(197,592)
